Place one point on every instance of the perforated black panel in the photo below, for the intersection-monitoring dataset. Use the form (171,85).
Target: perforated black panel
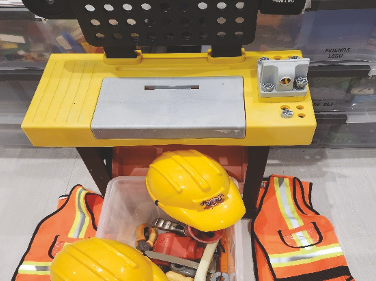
(166,23)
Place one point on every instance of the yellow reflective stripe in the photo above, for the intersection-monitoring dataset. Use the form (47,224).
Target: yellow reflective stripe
(77,216)
(303,251)
(30,272)
(81,220)
(34,268)
(288,210)
(291,203)
(304,259)
(87,217)
(37,263)
(280,203)
(290,223)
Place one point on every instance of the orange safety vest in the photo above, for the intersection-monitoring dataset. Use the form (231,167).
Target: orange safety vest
(291,241)
(76,218)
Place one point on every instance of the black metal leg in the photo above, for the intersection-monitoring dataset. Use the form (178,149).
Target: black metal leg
(226,51)
(120,52)
(257,158)
(98,161)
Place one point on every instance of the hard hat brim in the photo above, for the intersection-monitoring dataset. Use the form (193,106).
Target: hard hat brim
(218,217)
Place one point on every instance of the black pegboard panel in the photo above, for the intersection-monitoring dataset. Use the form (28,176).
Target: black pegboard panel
(118,23)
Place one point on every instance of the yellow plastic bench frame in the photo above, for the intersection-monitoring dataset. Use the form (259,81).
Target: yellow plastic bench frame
(61,111)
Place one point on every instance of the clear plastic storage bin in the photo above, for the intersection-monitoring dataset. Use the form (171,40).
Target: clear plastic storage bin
(127,204)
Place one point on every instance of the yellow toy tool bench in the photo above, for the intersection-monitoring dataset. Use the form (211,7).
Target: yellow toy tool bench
(126,97)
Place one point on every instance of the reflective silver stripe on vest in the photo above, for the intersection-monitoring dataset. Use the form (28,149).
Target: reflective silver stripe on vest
(299,257)
(28,267)
(286,208)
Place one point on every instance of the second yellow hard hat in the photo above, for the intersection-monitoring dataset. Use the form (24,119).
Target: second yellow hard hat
(97,259)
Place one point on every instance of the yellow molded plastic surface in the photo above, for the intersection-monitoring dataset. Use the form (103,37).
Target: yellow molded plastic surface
(63,106)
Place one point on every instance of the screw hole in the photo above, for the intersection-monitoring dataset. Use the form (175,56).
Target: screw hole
(146,7)
(99,36)
(50,2)
(95,22)
(285,81)
(300,107)
(117,36)
(135,37)
(204,35)
(186,36)
(113,22)
(239,34)
(127,7)
(239,20)
(108,7)
(131,21)
(202,6)
(221,5)
(221,20)
(152,36)
(301,115)
(240,5)
(277,57)
(169,36)
(149,22)
(183,7)
(90,8)
(284,107)
(221,34)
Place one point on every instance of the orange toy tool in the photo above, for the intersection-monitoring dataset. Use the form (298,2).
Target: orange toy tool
(177,246)
(226,260)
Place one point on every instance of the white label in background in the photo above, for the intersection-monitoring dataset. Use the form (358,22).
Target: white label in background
(12,38)
(284,1)
(63,43)
(337,53)
(324,105)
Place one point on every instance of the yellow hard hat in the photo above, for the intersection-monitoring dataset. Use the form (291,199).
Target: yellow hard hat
(194,189)
(97,259)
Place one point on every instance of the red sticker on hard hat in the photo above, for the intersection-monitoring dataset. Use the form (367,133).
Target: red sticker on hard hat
(213,201)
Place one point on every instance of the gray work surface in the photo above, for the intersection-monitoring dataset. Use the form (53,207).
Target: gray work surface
(170,108)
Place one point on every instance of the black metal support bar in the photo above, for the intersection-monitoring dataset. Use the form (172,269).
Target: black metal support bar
(120,52)
(339,71)
(257,158)
(98,161)
(226,51)
(326,118)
